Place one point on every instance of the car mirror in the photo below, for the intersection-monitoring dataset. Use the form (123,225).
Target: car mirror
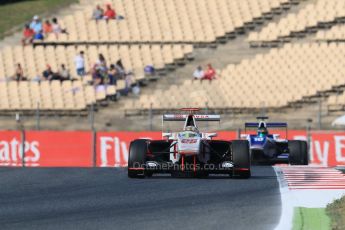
(212,135)
(166,135)
(244,135)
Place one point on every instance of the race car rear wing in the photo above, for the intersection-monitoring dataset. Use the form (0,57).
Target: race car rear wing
(268,125)
(182,117)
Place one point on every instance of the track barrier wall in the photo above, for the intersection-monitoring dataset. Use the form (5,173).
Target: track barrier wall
(110,149)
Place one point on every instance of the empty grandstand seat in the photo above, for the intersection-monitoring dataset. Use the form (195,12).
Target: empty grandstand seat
(167,20)
(313,15)
(272,80)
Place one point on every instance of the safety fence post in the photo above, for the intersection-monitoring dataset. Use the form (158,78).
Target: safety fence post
(319,114)
(309,122)
(94,147)
(238,133)
(94,134)
(38,116)
(22,146)
(151,117)
(92,116)
(21,129)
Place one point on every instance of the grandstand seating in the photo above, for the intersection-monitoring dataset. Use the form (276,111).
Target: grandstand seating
(134,57)
(273,80)
(336,33)
(164,32)
(188,21)
(319,14)
(336,102)
(76,95)
(54,95)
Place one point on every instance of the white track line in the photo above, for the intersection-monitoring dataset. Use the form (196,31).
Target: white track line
(310,187)
(303,177)
(285,222)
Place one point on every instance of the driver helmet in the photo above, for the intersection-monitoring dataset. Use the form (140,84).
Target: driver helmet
(262,131)
(191,128)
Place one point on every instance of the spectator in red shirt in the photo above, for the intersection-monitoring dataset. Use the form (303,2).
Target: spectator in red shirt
(47,27)
(28,35)
(109,13)
(210,73)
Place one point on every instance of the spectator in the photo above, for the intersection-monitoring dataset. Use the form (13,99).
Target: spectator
(64,73)
(112,74)
(97,13)
(48,74)
(119,65)
(96,76)
(210,73)
(109,13)
(120,69)
(80,64)
(150,71)
(28,35)
(39,36)
(198,73)
(128,80)
(19,73)
(57,28)
(101,63)
(136,89)
(47,27)
(36,24)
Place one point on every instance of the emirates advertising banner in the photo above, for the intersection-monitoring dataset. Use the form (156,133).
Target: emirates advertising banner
(110,149)
(60,149)
(46,149)
(11,148)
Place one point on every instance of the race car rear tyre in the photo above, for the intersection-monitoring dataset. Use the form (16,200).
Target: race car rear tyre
(241,158)
(137,158)
(298,152)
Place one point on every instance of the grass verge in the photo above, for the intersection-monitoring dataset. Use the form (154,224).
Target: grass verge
(336,211)
(16,14)
(311,219)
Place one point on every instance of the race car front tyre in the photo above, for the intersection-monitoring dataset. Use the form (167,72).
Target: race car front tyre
(298,152)
(137,158)
(241,158)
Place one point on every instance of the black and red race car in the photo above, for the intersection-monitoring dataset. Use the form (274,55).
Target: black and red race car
(189,152)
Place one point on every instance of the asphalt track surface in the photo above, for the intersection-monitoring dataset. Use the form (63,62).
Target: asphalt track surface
(63,198)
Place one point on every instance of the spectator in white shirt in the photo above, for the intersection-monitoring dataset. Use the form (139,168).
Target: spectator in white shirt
(198,73)
(98,13)
(102,63)
(128,80)
(56,28)
(64,73)
(80,64)
(36,24)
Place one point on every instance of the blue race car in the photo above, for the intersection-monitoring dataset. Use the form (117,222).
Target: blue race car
(269,148)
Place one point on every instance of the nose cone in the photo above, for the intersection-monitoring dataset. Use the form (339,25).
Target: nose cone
(257,142)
